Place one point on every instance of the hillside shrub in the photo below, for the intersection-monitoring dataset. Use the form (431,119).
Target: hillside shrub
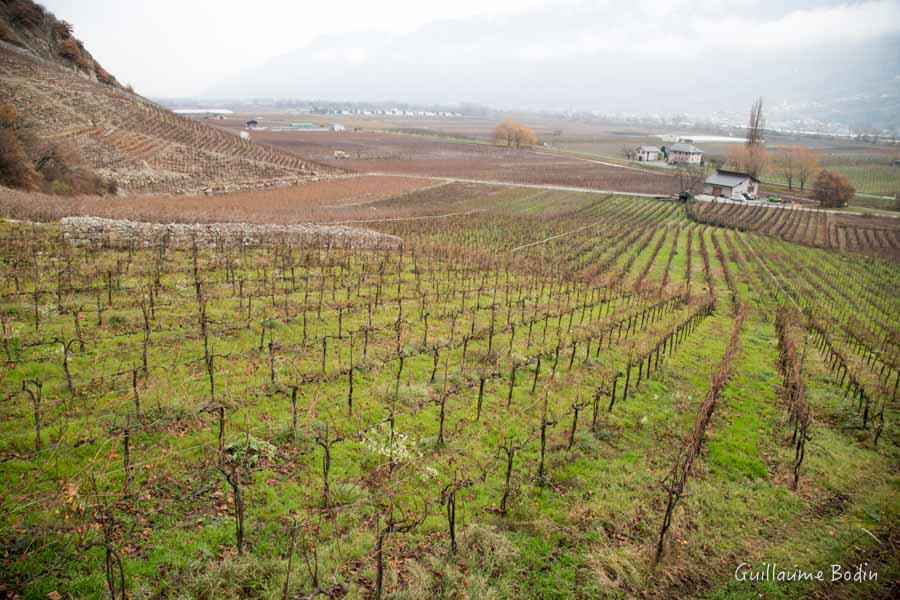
(78,182)
(71,50)
(103,75)
(63,30)
(60,188)
(16,169)
(249,452)
(8,115)
(8,35)
(26,13)
(29,164)
(833,190)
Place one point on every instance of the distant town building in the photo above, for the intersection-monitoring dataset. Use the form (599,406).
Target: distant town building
(202,111)
(682,153)
(731,184)
(646,153)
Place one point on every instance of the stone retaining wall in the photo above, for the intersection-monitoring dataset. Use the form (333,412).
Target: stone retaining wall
(95,231)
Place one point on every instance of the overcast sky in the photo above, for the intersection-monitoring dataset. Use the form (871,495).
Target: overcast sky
(183,47)
(457,50)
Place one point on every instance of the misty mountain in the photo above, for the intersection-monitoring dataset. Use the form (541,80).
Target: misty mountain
(593,59)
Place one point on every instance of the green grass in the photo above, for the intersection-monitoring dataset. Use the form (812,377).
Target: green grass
(589,531)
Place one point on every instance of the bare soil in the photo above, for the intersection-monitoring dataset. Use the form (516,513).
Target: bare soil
(330,199)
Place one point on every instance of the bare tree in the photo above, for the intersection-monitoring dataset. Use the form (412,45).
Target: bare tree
(788,165)
(750,159)
(690,176)
(515,134)
(807,165)
(757,124)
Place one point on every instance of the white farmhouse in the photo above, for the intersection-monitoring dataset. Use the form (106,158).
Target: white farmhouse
(647,153)
(731,184)
(682,153)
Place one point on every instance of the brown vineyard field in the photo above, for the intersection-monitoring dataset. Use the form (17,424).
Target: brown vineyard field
(316,200)
(417,155)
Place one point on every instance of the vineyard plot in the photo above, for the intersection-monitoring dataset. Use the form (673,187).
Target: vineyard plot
(492,407)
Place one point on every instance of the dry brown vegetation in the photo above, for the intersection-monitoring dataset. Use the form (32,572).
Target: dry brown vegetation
(798,163)
(329,200)
(15,168)
(876,236)
(30,163)
(515,134)
(833,190)
(137,144)
(70,50)
(752,159)
(372,152)
(26,13)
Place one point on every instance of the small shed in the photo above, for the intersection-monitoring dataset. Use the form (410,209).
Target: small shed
(731,184)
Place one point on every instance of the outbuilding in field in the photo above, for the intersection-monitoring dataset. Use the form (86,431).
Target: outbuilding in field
(646,153)
(337,127)
(731,184)
(682,153)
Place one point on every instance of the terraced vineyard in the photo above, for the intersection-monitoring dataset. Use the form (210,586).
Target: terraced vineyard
(827,229)
(541,394)
(135,142)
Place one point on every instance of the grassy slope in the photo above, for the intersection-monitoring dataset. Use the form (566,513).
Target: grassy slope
(587,535)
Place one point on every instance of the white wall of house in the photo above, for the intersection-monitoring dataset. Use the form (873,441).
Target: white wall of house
(646,155)
(691,158)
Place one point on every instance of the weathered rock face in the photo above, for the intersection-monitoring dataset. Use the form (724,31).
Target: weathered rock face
(94,231)
(27,25)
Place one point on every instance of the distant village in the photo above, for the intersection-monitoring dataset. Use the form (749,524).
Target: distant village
(254,124)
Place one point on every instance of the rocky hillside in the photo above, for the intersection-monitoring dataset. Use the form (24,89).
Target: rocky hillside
(65,103)
(30,27)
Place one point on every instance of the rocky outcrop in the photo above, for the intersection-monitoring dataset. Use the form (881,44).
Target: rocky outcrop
(93,231)
(28,25)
